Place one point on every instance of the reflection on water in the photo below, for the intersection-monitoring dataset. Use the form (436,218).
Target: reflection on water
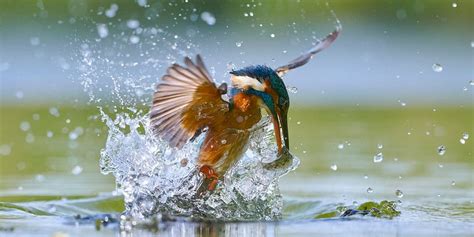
(100,216)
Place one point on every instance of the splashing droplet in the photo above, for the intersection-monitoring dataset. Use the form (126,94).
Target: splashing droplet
(465,136)
(238,44)
(102,30)
(5,150)
(340,146)
(441,150)
(76,170)
(462,141)
(39,178)
(111,11)
(334,167)
(453,183)
(272,35)
(54,111)
(223,141)
(379,146)
(25,126)
(399,193)
(378,158)
(133,24)
(35,41)
(134,39)
(292,89)
(208,18)
(370,190)
(366,177)
(454,5)
(437,67)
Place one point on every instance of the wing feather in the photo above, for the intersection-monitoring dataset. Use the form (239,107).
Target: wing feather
(185,101)
(304,58)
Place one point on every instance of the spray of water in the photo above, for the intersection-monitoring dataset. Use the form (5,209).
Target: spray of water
(153,177)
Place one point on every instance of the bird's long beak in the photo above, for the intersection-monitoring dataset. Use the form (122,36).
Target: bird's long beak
(280,126)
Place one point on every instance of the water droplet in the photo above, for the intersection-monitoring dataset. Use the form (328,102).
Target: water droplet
(35,41)
(453,183)
(133,24)
(76,170)
(441,150)
(111,11)
(5,150)
(73,136)
(239,119)
(454,5)
(19,94)
(340,146)
(208,18)
(142,3)
(25,126)
(298,122)
(30,138)
(472,44)
(366,177)
(378,158)
(292,89)
(39,178)
(440,165)
(334,167)
(465,136)
(54,111)
(102,30)
(49,134)
(223,141)
(379,146)
(399,193)
(184,162)
(134,39)
(238,44)
(272,35)
(437,67)
(370,190)
(462,141)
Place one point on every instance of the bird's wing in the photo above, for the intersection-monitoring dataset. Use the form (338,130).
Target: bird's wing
(303,59)
(185,102)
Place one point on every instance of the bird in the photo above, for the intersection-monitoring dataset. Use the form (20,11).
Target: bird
(187,102)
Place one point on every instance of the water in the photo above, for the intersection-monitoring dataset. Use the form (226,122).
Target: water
(430,203)
(53,157)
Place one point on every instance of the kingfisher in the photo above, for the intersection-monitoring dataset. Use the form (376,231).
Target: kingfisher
(187,103)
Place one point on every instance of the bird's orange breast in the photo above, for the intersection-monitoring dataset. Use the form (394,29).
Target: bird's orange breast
(225,141)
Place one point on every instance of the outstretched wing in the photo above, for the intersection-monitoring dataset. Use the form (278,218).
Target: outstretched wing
(303,59)
(185,102)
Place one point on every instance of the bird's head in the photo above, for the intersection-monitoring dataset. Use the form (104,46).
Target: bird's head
(265,83)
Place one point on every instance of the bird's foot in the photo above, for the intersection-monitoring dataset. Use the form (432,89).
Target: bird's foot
(212,178)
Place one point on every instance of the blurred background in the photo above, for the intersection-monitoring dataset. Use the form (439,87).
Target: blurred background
(398,81)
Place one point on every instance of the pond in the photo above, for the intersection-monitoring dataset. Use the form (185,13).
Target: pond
(433,192)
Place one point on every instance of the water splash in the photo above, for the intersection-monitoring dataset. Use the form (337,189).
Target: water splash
(153,177)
